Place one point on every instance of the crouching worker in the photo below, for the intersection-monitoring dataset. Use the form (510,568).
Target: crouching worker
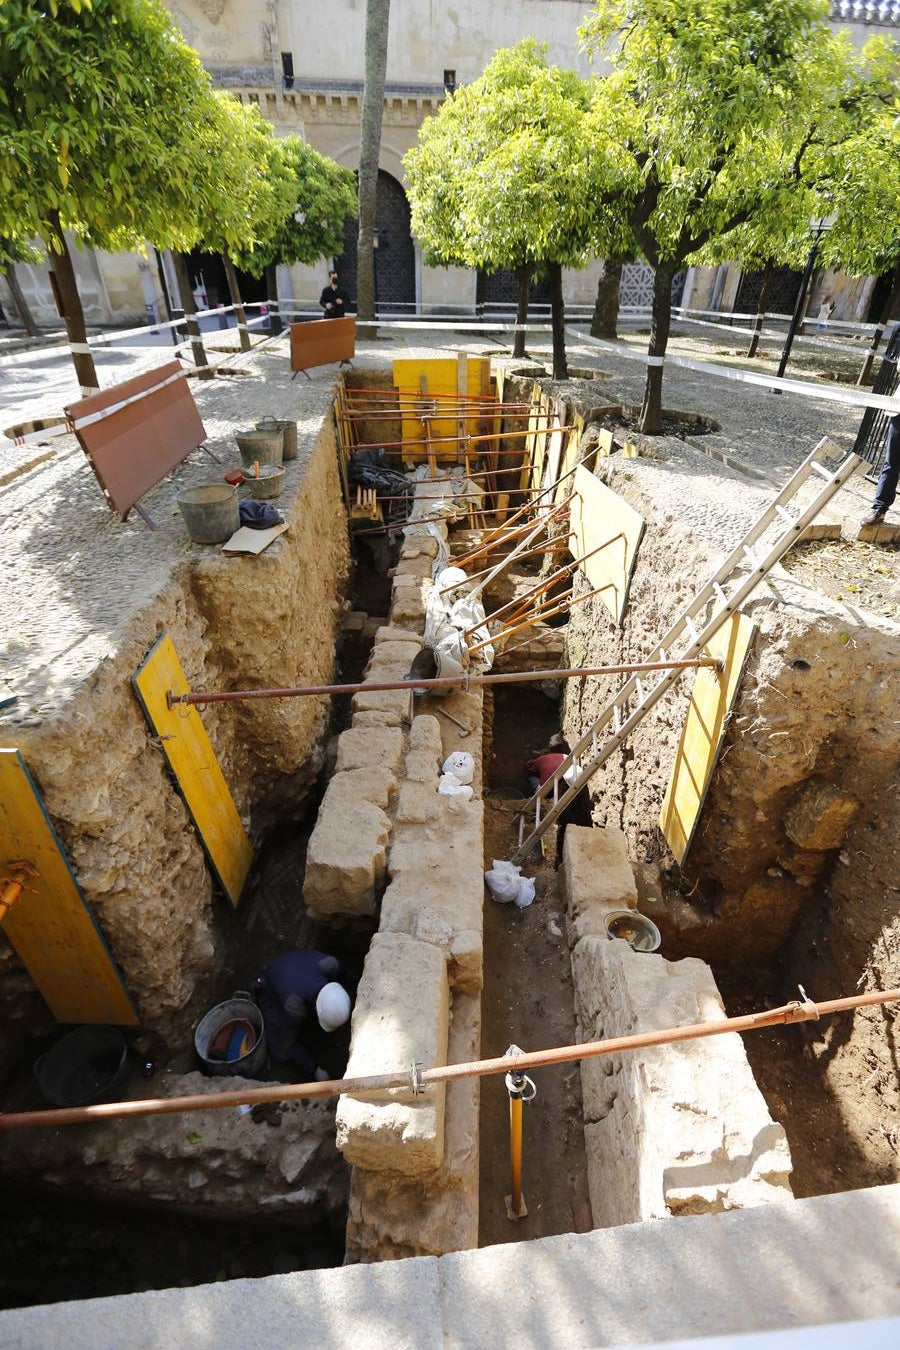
(304,996)
(538,770)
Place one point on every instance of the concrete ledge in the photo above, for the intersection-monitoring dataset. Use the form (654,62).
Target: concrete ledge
(809,1263)
(596,879)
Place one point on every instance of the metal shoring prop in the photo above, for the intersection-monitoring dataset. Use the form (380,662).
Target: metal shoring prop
(447,682)
(517,1085)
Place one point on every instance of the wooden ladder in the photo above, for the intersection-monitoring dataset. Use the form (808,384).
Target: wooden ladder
(741,572)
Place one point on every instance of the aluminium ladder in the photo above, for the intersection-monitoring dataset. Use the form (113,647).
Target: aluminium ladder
(686,638)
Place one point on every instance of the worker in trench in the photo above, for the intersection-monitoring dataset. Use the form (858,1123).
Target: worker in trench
(305,997)
(542,767)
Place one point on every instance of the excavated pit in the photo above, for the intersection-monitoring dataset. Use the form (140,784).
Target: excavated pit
(791,879)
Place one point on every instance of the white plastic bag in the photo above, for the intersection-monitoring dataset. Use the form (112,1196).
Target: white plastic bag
(572,772)
(525,895)
(450,786)
(503,881)
(460,765)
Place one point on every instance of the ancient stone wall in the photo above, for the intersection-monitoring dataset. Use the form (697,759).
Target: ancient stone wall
(672,1129)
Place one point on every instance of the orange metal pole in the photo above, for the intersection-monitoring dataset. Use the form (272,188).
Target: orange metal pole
(804,1010)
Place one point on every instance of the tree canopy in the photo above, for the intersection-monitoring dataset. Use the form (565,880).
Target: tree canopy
(702,126)
(504,175)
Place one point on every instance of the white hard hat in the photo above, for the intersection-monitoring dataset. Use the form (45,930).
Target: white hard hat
(332,1006)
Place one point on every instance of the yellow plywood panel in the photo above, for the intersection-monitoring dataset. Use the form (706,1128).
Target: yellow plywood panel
(605,527)
(50,926)
(195,767)
(439,378)
(712,699)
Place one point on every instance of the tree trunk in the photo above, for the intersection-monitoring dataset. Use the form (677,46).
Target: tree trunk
(523,276)
(651,410)
(69,305)
(234,288)
(768,273)
(275,324)
(893,300)
(558,322)
(604,323)
(377,20)
(20,302)
(190,312)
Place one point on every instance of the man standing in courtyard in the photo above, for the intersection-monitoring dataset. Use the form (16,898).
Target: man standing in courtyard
(334,299)
(890,473)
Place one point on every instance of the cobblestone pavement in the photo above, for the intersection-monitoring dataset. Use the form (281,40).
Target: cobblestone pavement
(72,574)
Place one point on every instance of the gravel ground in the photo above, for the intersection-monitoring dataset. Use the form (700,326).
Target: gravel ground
(73,575)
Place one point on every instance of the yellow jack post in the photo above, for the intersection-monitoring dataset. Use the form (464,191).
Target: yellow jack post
(521,1089)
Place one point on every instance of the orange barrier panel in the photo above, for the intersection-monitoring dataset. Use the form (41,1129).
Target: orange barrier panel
(136,432)
(322,341)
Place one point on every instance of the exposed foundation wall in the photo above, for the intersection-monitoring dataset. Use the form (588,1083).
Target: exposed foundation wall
(673,1129)
(234,621)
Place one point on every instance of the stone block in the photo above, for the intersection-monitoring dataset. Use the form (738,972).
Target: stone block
(419,539)
(596,878)
(369,748)
(677,1128)
(408,603)
(425,734)
(415,564)
(376,719)
(416,803)
(401,1016)
(393,633)
(394,650)
(375,785)
(345,861)
(442,913)
(819,815)
(421,766)
(391,703)
(821,529)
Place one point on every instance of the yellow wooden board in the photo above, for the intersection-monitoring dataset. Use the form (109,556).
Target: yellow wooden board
(701,736)
(195,767)
(50,926)
(606,527)
(438,377)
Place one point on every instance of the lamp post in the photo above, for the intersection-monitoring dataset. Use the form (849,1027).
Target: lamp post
(819,227)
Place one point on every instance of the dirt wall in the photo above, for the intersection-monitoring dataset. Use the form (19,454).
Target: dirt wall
(234,621)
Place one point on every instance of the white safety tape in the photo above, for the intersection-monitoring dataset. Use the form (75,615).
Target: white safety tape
(830,392)
(81,348)
(58,429)
(656,360)
(776,333)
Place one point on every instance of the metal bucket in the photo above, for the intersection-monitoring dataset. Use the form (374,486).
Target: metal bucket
(210,512)
(260,447)
(288,432)
(90,1064)
(268,484)
(239,1008)
(641,933)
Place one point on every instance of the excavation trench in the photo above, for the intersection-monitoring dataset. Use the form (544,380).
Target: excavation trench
(392,881)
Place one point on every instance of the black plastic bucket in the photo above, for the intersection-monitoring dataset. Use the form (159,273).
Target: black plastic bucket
(90,1064)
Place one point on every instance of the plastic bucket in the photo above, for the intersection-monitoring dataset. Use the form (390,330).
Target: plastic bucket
(90,1064)
(260,447)
(288,432)
(208,1039)
(641,933)
(210,512)
(268,484)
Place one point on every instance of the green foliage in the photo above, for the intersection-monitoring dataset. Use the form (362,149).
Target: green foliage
(707,106)
(315,197)
(98,104)
(504,174)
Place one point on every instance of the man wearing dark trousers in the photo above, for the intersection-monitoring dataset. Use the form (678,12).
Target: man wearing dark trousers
(890,473)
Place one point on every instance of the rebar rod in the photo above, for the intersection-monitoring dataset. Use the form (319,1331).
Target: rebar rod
(441,682)
(418,1079)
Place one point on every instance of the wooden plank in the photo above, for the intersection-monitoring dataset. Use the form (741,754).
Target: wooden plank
(600,519)
(50,926)
(711,702)
(194,766)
